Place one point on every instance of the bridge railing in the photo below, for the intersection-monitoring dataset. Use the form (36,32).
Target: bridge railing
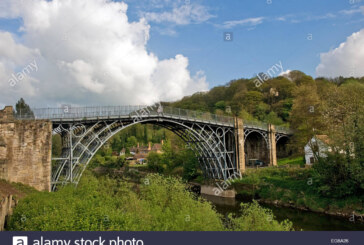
(120,111)
(255,124)
(264,126)
(198,115)
(66,112)
(78,112)
(283,129)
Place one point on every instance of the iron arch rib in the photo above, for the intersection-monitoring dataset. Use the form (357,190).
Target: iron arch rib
(83,140)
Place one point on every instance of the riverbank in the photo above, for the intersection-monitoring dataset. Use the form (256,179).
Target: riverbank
(301,220)
(295,188)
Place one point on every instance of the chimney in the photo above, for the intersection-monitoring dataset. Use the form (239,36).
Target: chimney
(149,146)
(162,142)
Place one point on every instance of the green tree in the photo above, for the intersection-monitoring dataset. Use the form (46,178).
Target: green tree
(23,110)
(131,141)
(306,116)
(251,99)
(56,145)
(154,161)
(221,105)
(272,118)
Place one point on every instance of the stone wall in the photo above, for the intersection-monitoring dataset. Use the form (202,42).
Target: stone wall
(217,191)
(25,152)
(7,204)
(7,114)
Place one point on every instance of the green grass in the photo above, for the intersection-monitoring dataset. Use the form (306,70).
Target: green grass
(291,161)
(295,186)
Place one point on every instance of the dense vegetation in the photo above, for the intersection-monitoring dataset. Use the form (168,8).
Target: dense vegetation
(332,107)
(158,204)
(297,187)
(175,161)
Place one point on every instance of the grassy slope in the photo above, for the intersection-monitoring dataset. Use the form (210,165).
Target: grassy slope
(16,189)
(296,187)
(291,161)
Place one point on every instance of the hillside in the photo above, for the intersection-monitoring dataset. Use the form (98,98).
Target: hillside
(271,102)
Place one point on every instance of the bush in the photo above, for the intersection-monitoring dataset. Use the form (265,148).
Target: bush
(337,176)
(154,161)
(256,218)
(161,204)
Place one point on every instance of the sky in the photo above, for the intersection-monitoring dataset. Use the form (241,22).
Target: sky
(104,52)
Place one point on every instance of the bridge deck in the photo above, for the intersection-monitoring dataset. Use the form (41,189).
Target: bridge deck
(71,114)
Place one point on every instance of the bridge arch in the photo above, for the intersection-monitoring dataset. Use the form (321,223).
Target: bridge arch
(256,145)
(213,145)
(282,142)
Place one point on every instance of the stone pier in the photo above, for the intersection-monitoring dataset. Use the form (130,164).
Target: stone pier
(240,153)
(272,147)
(25,150)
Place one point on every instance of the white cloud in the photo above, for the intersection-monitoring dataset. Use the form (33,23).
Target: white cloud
(352,11)
(180,15)
(346,60)
(88,52)
(249,21)
(285,73)
(14,58)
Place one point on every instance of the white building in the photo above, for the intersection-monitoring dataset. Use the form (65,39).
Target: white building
(318,144)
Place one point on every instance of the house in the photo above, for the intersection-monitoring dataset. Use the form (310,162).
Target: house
(319,144)
(140,152)
(157,148)
(122,152)
(140,158)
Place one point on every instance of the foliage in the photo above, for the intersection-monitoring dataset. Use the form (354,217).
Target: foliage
(105,158)
(22,109)
(56,145)
(291,161)
(256,218)
(161,204)
(155,162)
(172,159)
(139,133)
(306,115)
(337,177)
(295,186)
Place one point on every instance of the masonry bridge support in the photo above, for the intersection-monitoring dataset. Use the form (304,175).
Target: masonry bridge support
(222,144)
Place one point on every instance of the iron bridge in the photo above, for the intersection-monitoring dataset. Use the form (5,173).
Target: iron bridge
(213,138)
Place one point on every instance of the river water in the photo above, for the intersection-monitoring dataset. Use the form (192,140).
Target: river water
(302,220)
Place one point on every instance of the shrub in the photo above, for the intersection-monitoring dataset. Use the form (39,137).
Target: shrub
(160,204)
(256,218)
(337,176)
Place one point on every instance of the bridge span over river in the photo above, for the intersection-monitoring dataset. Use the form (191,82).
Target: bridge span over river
(222,144)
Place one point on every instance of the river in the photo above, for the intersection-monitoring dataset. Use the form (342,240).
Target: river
(302,220)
